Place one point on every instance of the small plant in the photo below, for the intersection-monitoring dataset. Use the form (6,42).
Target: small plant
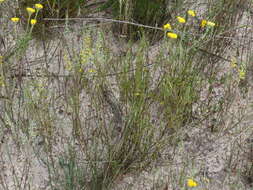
(93,116)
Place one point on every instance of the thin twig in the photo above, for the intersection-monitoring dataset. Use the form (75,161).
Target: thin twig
(137,24)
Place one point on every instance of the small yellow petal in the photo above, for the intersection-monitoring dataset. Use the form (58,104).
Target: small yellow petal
(38,6)
(191,13)
(191,183)
(33,21)
(15,19)
(181,19)
(167,26)
(172,35)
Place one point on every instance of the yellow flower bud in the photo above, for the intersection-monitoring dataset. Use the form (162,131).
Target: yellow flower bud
(181,19)
(206,23)
(172,35)
(30,10)
(191,13)
(15,19)
(167,26)
(191,183)
(38,6)
(203,23)
(33,21)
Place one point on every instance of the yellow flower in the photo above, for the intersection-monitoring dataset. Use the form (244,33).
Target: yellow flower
(38,6)
(181,19)
(1,1)
(30,10)
(212,24)
(191,13)
(241,74)
(15,19)
(172,35)
(167,26)
(203,23)
(206,23)
(33,21)
(191,183)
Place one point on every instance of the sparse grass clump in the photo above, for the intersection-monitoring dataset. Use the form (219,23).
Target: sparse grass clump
(90,115)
